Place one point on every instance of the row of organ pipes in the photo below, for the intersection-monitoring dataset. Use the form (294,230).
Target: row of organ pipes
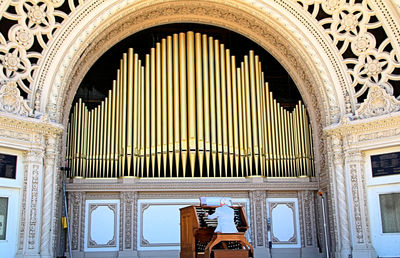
(189,111)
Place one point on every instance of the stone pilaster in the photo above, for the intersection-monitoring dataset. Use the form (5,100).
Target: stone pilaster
(339,198)
(75,217)
(48,204)
(128,224)
(30,226)
(258,221)
(361,246)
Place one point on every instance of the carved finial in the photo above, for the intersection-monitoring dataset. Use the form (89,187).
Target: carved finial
(378,102)
(11,100)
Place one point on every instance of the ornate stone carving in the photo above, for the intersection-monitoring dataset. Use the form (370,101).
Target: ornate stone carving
(378,102)
(75,208)
(128,200)
(372,63)
(11,100)
(257,200)
(33,213)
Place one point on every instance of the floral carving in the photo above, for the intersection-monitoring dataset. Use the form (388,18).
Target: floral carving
(37,16)
(14,63)
(377,103)
(354,29)
(11,101)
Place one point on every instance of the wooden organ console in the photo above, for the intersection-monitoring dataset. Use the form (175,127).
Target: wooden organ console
(198,239)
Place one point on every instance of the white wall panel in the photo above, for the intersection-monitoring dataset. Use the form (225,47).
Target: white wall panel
(102,225)
(285,226)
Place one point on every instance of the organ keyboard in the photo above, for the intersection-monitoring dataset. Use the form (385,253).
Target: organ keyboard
(197,231)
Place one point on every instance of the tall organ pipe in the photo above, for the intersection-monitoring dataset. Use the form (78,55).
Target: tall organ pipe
(189,111)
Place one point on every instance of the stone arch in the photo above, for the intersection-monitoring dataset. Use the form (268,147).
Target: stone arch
(280,29)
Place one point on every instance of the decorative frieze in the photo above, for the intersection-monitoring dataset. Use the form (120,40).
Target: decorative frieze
(75,203)
(258,210)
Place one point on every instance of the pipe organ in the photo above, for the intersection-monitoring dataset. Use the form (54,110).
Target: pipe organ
(189,110)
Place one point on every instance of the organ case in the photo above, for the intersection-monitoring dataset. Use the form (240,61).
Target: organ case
(197,230)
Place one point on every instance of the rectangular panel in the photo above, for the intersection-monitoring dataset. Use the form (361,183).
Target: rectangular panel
(102,225)
(8,166)
(390,212)
(3,217)
(283,214)
(385,164)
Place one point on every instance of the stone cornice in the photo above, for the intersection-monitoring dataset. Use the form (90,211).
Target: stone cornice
(40,125)
(357,127)
(189,185)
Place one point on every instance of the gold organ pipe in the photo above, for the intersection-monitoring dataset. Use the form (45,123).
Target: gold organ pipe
(207,122)
(250,145)
(302,137)
(110,125)
(78,136)
(142,120)
(223,87)
(254,124)
(153,108)
(117,126)
(177,121)
(113,127)
(273,128)
(244,121)
(297,135)
(268,129)
(123,109)
(264,127)
(240,120)
(230,115)
(259,136)
(199,101)
(191,102)
(235,115)
(261,109)
(292,144)
(183,100)
(136,111)
(148,118)
(105,136)
(101,145)
(159,121)
(285,141)
(96,142)
(130,116)
(170,104)
(218,105)
(164,105)
(279,137)
(213,106)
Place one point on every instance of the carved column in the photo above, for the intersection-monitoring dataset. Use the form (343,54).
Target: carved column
(30,227)
(128,229)
(339,198)
(46,245)
(359,212)
(307,211)
(258,221)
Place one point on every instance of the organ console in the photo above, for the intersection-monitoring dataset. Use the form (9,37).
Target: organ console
(198,239)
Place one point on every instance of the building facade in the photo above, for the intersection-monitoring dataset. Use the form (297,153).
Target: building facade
(344,57)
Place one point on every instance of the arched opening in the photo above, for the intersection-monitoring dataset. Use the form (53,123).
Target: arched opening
(188,108)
